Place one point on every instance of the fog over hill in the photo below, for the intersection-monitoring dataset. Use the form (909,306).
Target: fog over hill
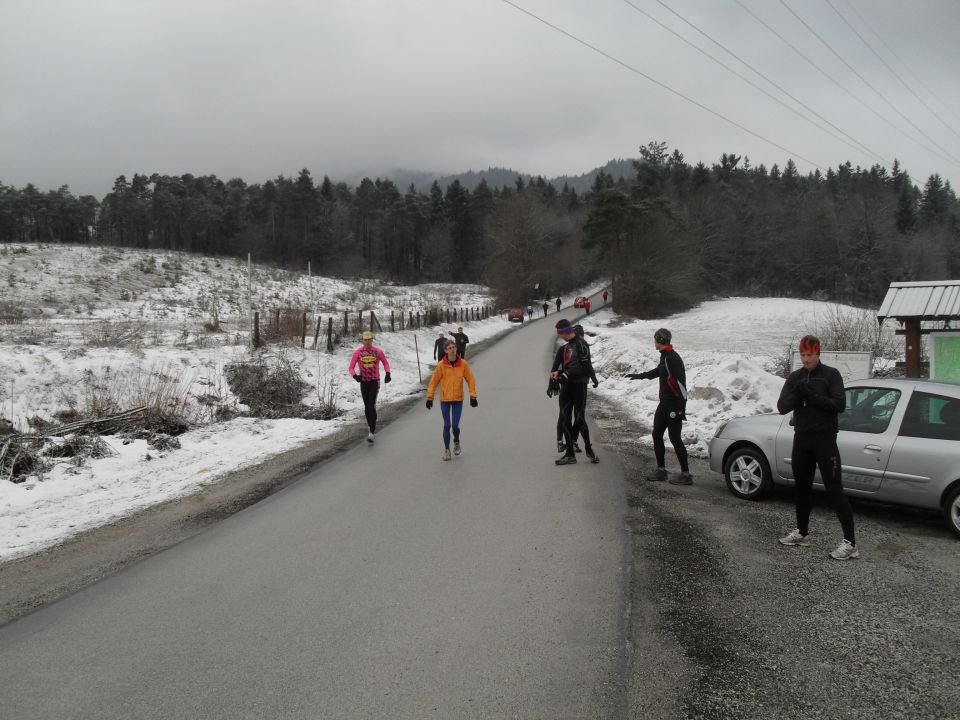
(495,177)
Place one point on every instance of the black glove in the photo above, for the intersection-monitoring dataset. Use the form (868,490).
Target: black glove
(386,378)
(429,404)
(473,402)
(357,378)
(596,383)
(634,376)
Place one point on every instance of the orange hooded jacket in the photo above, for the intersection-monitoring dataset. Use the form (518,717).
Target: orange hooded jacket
(450,380)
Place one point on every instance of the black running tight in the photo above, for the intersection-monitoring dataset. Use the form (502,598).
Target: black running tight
(812,451)
(662,422)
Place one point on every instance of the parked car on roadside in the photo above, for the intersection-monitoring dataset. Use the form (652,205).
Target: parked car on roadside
(578,301)
(515,315)
(899,443)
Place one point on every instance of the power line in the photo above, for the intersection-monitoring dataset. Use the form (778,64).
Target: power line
(892,71)
(901,61)
(946,155)
(857,144)
(659,83)
(832,79)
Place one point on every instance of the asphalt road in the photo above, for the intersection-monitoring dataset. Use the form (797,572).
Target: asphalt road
(384,583)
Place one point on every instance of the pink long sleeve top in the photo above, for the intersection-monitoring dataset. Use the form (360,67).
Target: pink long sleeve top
(368,359)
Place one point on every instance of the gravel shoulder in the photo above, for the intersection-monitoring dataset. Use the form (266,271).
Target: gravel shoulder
(727,623)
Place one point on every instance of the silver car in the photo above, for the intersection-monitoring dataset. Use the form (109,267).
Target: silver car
(899,442)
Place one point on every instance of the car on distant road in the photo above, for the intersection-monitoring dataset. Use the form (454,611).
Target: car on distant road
(515,315)
(578,301)
(899,443)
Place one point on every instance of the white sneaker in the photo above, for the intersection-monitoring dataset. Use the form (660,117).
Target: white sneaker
(456,447)
(845,551)
(369,437)
(446,454)
(795,538)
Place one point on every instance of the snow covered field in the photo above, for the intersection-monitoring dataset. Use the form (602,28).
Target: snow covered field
(49,363)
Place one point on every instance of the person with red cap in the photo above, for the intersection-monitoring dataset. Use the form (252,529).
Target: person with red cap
(815,395)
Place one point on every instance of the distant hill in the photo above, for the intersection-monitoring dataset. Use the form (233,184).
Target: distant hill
(497,177)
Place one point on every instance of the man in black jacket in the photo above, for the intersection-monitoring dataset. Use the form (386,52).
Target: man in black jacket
(553,388)
(671,411)
(461,339)
(573,370)
(815,395)
(438,353)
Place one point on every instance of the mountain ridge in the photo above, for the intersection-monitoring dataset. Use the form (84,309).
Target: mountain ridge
(496,177)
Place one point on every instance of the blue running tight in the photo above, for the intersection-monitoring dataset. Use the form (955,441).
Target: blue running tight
(445,410)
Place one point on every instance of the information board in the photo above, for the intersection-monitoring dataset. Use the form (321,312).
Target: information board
(945,356)
(852,365)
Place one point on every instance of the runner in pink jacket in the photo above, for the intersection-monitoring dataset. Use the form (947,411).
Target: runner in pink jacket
(365,368)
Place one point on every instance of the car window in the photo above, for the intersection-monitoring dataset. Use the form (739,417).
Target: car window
(869,409)
(932,416)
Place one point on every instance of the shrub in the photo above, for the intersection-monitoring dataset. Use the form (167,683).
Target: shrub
(268,390)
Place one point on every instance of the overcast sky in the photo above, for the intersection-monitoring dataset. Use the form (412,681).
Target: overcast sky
(258,88)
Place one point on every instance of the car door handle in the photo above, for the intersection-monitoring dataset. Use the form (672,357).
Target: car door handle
(872,449)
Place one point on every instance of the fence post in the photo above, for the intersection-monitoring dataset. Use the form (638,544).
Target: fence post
(256,329)
(303,332)
(316,333)
(392,326)
(371,321)
(418,319)
(346,322)
(330,335)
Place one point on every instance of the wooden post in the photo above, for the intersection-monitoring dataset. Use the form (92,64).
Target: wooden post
(392,324)
(372,320)
(256,329)
(346,322)
(303,331)
(912,347)
(316,333)
(276,315)
(411,318)
(418,319)
(330,335)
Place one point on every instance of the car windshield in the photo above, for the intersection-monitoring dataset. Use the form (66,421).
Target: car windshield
(869,409)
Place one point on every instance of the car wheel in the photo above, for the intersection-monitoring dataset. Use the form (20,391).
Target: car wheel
(951,510)
(748,473)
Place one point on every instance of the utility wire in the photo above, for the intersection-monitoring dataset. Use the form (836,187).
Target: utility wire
(829,77)
(915,76)
(659,84)
(946,155)
(856,143)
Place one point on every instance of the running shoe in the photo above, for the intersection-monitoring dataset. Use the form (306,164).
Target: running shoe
(370,436)
(566,460)
(561,447)
(659,476)
(456,447)
(684,478)
(795,538)
(845,551)
(592,455)
(576,448)
(446,454)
